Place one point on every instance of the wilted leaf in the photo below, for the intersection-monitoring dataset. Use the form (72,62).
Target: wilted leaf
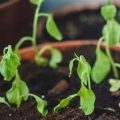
(113,30)
(56,57)
(9,64)
(87,100)
(41,105)
(53,29)
(16,92)
(64,102)
(101,67)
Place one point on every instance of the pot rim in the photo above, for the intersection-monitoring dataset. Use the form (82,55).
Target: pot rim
(8,4)
(28,52)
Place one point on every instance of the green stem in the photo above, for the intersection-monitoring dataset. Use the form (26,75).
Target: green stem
(42,50)
(21,41)
(36,16)
(44,14)
(99,43)
(110,57)
(109,1)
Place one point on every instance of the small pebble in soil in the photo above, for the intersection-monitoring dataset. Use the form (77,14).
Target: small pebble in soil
(42,96)
(10,115)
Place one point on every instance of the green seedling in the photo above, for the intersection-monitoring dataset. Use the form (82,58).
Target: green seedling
(19,91)
(111,35)
(87,96)
(52,30)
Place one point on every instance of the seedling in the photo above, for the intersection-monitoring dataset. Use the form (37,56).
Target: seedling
(87,96)
(52,30)
(11,61)
(111,35)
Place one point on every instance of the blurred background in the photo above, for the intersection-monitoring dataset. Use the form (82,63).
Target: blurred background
(76,19)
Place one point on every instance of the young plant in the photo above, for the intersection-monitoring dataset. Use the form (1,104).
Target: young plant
(52,30)
(111,35)
(87,96)
(19,91)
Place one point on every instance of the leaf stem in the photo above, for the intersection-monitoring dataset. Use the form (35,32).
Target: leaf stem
(21,41)
(110,57)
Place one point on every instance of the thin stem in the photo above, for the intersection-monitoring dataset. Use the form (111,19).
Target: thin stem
(99,42)
(89,83)
(36,16)
(117,65)
(21,41)
(110,57)
(44,14)
(42,50)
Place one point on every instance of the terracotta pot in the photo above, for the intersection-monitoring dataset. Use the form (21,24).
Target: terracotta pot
(28,52)
(15,21)
(77,22)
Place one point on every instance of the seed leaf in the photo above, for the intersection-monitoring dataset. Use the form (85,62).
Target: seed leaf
(41,105)
(83,69)
(71,66)
(64,102)
(115,85)
(87,100)
(52,29)
(16,92)
(102,61)
(56,57)
(9,63)
(113,29)
(36,2)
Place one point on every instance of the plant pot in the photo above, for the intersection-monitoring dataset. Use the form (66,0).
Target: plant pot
(15,21)
(77,22)
(54,84)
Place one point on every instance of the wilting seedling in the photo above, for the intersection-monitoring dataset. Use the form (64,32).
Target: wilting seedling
(51,29)
(111,35)
(19,91)
(87,96)
(10,62)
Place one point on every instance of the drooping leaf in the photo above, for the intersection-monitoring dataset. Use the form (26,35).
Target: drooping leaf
(115,85)
(64,102)
(41,105)
(108,11)
(16,93)
(36,2)
(53,29)
(71,66)
(83,70)
(101,67)
(9,64)
(56,57)
(87,100)
(113,30)
(3,101)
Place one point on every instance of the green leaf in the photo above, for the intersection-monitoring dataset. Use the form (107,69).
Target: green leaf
(16,93)
(52,29)
(9,64)
(2,100)
(115,85)
(83,70)
(56,57)
(87,100)
(36,2)
(101,67)
(71,66)
(113,29)
(108,12)
(64,102)
(41,105)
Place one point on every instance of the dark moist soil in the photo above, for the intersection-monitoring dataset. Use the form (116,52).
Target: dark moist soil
(2,1)
(53,85)
(86,24)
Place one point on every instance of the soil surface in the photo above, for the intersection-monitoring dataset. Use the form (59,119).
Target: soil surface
(86,24)
(2,1)
(47,82)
